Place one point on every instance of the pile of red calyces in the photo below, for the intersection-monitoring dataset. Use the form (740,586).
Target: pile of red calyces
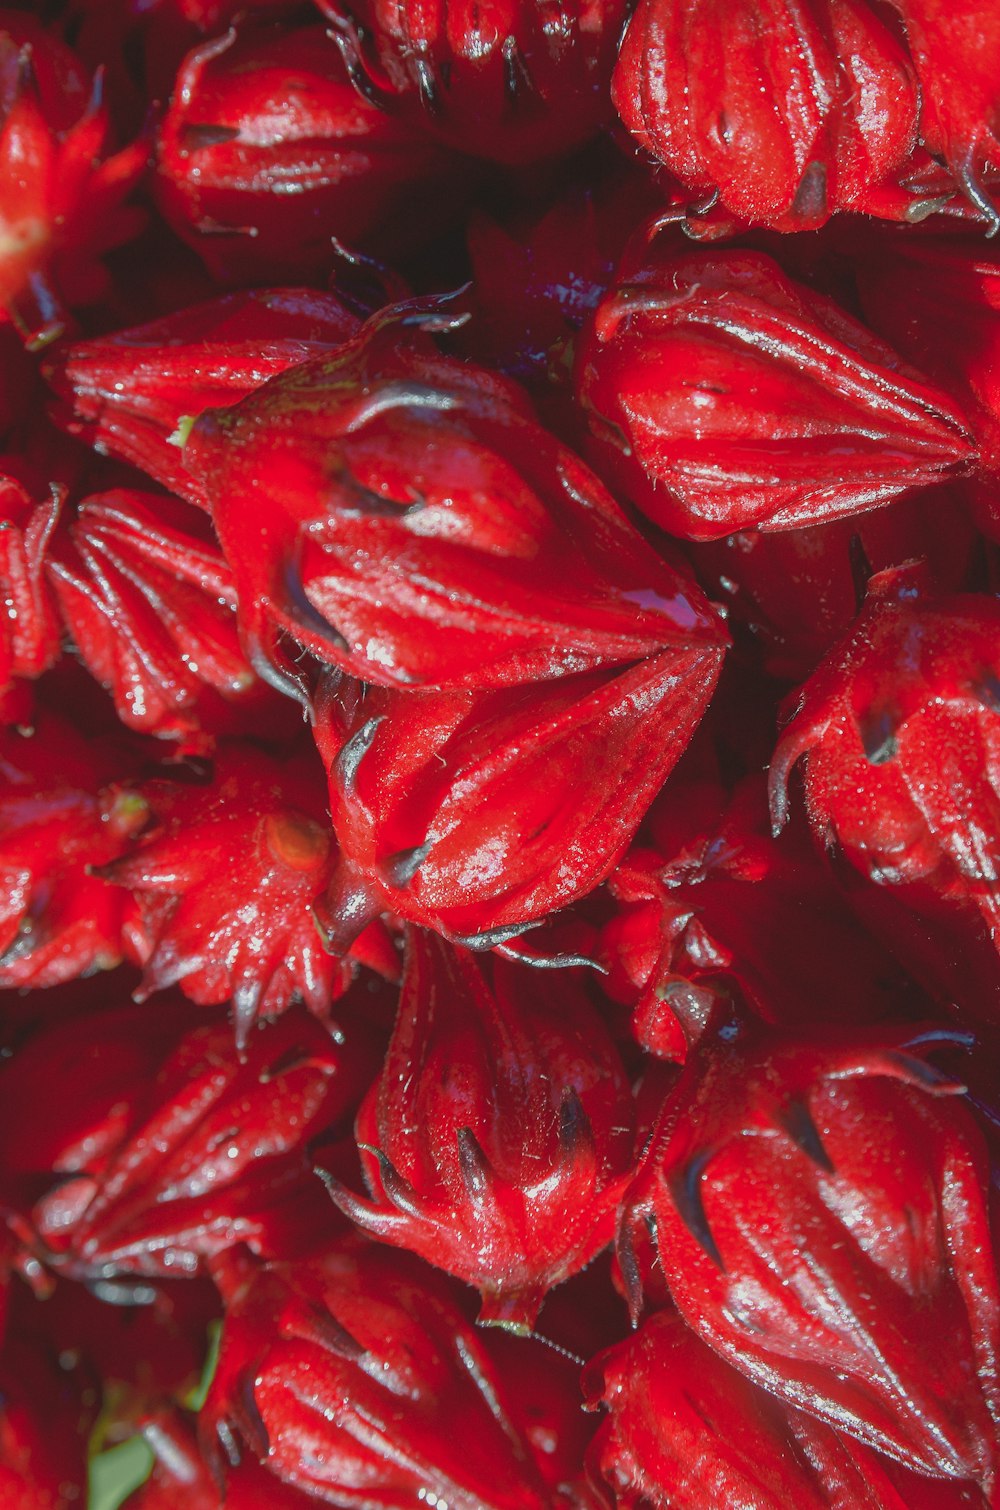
(500,751)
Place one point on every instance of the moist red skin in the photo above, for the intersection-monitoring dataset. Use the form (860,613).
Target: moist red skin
(149,602)
(62,186)
(500,662)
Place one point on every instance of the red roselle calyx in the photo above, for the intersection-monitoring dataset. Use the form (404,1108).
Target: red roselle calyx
(785,112)
(402,515)
(686,1431)
(820,1207)
(498,1138)
(129,391)
(267,152)
(225,879)
(214,1155)
(61,195)
(357,1376)
(721,395)
(479,813)
(898,733)
(150,604)
(517,81)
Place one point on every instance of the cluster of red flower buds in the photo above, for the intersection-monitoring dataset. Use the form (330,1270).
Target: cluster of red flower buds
(500,754)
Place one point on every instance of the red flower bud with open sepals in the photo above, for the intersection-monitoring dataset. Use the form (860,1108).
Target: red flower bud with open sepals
(821,1215)
(128,392)
(479,813)
(358,1378)
(785,111)
(721,396)
(226,878)
(401,514)
(214,1156)
(61,195)
(94,1067)
(498,1139)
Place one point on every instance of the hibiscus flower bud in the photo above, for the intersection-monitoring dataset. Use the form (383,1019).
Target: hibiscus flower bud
(29,625)
(61,815)
(149,601)
(267,152)
(721,395)
(957,58)
(401,514)
(898,734)
(214,1156)
(685,1431)
(786,112)
(518,83)
(61,194)
(820,1205)
(498,1138)
(130,391)
(226,878)
(479,813)
(356,1376)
